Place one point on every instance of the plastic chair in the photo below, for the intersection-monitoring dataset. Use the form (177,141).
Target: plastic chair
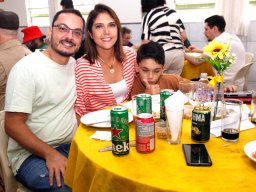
(10,183)
(241,74)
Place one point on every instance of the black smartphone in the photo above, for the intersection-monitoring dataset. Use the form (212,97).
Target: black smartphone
(196,155)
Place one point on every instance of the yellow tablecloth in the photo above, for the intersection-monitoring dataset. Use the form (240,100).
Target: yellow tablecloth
(191,71)
(164,169)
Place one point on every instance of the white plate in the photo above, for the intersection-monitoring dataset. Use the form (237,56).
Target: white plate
(193,54)
(100,119)
(250,148)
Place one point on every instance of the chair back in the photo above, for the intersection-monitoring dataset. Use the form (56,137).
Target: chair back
(10,182)
(241,74)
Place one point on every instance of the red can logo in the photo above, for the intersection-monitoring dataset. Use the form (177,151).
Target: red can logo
(145,133)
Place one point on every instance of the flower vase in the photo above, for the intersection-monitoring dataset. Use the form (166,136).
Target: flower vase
(217,101)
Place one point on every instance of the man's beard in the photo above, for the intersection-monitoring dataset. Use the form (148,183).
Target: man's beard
(63,53)
(32,48)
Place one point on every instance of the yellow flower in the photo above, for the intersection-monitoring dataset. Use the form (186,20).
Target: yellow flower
(216,49)
(219,56)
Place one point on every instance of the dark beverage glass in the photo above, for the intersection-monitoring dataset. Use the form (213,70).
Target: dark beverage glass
(231,119)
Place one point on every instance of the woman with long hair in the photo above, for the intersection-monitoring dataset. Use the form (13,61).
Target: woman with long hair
(104,76)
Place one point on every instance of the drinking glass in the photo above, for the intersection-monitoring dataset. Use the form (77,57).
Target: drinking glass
(253,107)
(231,119)
(174,125)
(188,88)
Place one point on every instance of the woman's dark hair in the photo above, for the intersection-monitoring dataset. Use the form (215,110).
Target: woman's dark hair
(73,11)
(91,51)
(151,50)
(147,5)
(67,4)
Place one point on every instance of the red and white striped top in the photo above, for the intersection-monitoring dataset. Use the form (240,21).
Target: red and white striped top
(93,93)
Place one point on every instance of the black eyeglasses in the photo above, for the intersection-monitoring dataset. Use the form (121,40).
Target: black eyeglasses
(65,29)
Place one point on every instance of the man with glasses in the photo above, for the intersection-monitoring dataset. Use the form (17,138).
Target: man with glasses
(40,118)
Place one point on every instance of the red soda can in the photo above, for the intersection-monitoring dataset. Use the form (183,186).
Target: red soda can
(145,133)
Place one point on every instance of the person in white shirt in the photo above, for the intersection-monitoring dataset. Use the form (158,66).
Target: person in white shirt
(214,29)
(40,96)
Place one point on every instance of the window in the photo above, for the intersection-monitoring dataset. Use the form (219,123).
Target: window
(38,11)
(198,10)
(195,10)
(252,9)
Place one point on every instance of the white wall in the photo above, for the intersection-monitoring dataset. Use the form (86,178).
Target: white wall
(17,6)
(128,11)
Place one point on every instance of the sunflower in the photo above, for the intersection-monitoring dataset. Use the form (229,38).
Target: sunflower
(216,49)
(219,56)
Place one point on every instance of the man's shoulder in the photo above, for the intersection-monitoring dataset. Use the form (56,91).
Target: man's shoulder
(225,37)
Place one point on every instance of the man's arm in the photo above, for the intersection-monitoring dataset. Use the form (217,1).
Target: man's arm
(193,60)
(16,128)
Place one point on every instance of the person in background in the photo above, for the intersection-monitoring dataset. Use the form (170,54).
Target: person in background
(67,4)
(162,24)
(11,50)
(40,119)
(34,38)
(105,75)
(214,29)
(126,35)
(150,78)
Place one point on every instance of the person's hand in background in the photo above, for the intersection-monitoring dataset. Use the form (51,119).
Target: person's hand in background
(230,88)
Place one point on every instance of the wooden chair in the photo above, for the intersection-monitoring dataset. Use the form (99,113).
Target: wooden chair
(10,182)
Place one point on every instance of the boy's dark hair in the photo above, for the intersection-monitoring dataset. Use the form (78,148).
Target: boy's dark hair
(126,30)
(74,11)
(216,20)
(147,5)
(67,4)
(151,50)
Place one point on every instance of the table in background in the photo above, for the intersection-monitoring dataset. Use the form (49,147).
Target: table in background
(164,169)
(191,71)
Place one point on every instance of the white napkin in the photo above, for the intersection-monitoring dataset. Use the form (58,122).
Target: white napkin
(245,123)
(175,102)
(102,135)
(174,106)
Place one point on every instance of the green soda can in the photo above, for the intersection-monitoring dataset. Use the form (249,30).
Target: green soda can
(144,103)
(201,119)
(164,94)
(119,130)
